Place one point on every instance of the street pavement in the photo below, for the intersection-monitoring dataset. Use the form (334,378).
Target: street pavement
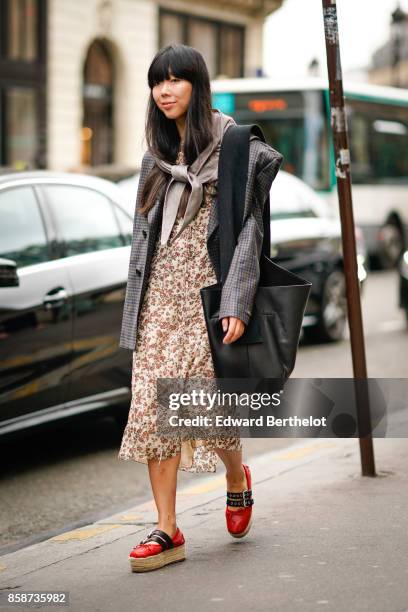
(324,537)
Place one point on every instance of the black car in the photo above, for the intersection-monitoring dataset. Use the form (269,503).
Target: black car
(64,254)
(306,238)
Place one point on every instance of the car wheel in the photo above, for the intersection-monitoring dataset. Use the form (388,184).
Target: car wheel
(392,245)
(332,317)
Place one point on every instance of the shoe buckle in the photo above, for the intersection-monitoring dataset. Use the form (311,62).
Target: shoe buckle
(147,538)
(244,498)
(247,499)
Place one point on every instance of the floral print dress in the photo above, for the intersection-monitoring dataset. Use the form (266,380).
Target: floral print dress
(172,342)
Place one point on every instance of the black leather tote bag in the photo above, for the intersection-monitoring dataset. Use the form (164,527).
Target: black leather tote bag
(268,346)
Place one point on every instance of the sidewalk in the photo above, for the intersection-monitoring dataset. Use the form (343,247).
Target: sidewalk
(323,537)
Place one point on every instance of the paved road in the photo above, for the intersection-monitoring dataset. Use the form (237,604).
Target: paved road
(72,476)
(324,537)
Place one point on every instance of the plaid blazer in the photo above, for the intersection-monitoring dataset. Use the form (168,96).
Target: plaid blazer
(241,283)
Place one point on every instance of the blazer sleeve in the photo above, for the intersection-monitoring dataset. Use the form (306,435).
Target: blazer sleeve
(240,286)
(146,165)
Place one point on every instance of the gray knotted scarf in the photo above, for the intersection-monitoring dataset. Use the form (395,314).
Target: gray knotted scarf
(202,170)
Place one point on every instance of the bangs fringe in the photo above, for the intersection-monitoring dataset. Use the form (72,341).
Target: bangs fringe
(171,60)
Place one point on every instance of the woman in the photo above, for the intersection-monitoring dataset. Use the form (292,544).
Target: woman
(174,253)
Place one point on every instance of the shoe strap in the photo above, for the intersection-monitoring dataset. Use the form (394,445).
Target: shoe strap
(242,498)
(159,536)
(240,494)
(235,502)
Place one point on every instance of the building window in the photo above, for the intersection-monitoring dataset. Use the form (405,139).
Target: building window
(221,43)
(23,83)
(97,128)
(23,29)
(231,51)
(203,36)
(21,126)
(171,29)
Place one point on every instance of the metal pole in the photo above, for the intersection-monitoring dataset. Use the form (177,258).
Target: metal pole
(343,176)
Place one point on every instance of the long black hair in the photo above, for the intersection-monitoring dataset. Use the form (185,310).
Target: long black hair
(162,137)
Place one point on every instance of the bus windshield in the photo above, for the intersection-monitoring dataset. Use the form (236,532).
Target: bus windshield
(293,122)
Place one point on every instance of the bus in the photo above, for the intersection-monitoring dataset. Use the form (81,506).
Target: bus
(295,118)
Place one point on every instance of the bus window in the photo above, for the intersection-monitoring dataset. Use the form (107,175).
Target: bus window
(359,130)
(390,150)
(378,142)
(295,124)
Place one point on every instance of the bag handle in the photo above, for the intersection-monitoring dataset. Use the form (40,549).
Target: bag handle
(232,183)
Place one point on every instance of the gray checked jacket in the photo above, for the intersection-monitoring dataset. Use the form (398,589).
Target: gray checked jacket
(241,283)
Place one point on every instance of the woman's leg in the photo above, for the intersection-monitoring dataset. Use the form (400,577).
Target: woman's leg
(236,479)
(163,479)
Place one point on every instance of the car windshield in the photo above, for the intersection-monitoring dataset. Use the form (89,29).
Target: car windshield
(291,199)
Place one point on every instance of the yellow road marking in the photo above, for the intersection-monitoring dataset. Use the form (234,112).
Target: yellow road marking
(130,517)
(83,534)
(146,506)
(204,488)
(294,454)
(302,452)
(3,567)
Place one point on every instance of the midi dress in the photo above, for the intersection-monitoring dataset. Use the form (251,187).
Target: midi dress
(172,342)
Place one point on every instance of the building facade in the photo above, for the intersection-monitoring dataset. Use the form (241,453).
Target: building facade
(73,75)
(390,62)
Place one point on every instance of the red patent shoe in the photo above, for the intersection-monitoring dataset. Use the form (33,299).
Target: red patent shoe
(156,550)
(239,521)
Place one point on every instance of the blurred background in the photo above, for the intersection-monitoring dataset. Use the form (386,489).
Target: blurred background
(73,93)
(73,74)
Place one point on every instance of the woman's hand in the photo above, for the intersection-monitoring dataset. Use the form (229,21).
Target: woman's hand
(235,329)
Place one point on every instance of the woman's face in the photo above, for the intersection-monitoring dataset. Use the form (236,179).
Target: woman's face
(172,96)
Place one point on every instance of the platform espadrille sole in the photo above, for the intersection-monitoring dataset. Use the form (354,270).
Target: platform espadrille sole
(146,564)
